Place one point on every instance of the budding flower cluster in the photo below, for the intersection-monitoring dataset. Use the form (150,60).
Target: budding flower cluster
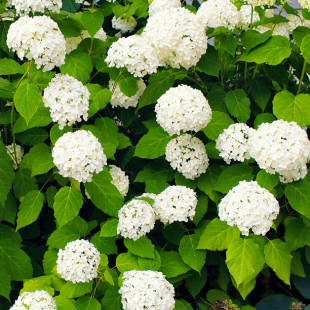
(19,154)
(124,24)
(119,179)
(27,6)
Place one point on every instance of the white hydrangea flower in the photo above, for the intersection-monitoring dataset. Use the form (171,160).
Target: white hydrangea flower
(124,24)
(136,219)
(19,154)
(216,13)
(175,203)
(188,155)
(27,6)
(295,21)
(281,147)
(67,98)
(79,1)
(118,99)
(261,2)
(182,108)
(77,155)
(38,300)
(134,53)
(162,5)
(177,36)
(78,262)
(249,206)
(232,143)
(119,179)
(246,15)
(9,4)
(38,38)
(148,289)
(304,4)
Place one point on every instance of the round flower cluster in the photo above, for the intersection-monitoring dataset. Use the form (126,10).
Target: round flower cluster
(77,155)
(135,54)
(118,99)
(124,24)
(78,262)
(162,5)
(38,300)
(146,290)
(261,2)
(182,108)
(27,6)
(177,36)
(233,142)
(249,206)
(280,29)
(38,38)
(281,147)
(175,203)
(119,179)
(188,155)
(136,219)
(304,4)
(216,13)
(67,99)
(19,154)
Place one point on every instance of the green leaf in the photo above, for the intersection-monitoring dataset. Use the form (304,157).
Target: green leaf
(149,263)
(77,65)
(30,208)
(299,33)
(278,73)
(244,260)
(181,180)
(49,260)
(142,247)
(105,245)
(87,302)
(42,164)
(209,62)
(127,261)
(67,204)
(56,133)
(252,38)
(278,257)
(238,105)
(128,86)
(5,117)
(39,283)
(305,44)
(68,27)
(219,122)
(64,303)
(108,277)
(297,267)
(172,264)
(217,236)
(297,234)
(9,233)
(245,289)
(9,210)
(267,180)
(109,228)
(231,177)
(228,43)
(124,141)
(74,290)
(260,91)
(192,257)
(99,98)
(155,187)
(153,144)
(290,108)
(263,118)
(5,283)
(92,21)
(112,300)
(104,195)
(32,136)
(196,281)
(216,100)
(201,208)
(9,66)
(173,232)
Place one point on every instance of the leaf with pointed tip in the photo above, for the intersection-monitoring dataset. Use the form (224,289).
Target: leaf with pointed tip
(87,303)
(127,261)
(172,264)
(238,105)
(92,21)
(142,247)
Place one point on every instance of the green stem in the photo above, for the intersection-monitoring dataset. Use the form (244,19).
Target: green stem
(302,76)
(5,129)
(255,70)
(245,70)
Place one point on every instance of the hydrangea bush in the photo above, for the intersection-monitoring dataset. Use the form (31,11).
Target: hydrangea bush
(154,155)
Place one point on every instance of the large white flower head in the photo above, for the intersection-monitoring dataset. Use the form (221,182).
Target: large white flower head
(233,142)
(304,4)
(38,300)
(249,206)
(119,179)
(162,5)
(118,99)
(216,13)
(67,98)
(182,108)
(19,154)
(134,53)
(124,24)
(136,219)
(295,21)
(175,203)
(78,262)
(27,6)
(146,290)
(177,36)
(77,155)
(188,155)
(38,38)
(281,147)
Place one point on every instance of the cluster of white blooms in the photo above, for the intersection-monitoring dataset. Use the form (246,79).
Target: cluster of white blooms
(162,5)
(261,2)
(118,99)
(148,289)
(304,4)
(38,300)
(67,99)
(188,155)
(246,16)
(78,262)
(38,38)
(27,6)
(177,36)
(119,179)
(281,147)
(135,54)
(249,206)
(79,1)
(280,29)
(124,24)
(175,203)
(182,108)
(77,155)
(233,142)
(19,154)
(136,219)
